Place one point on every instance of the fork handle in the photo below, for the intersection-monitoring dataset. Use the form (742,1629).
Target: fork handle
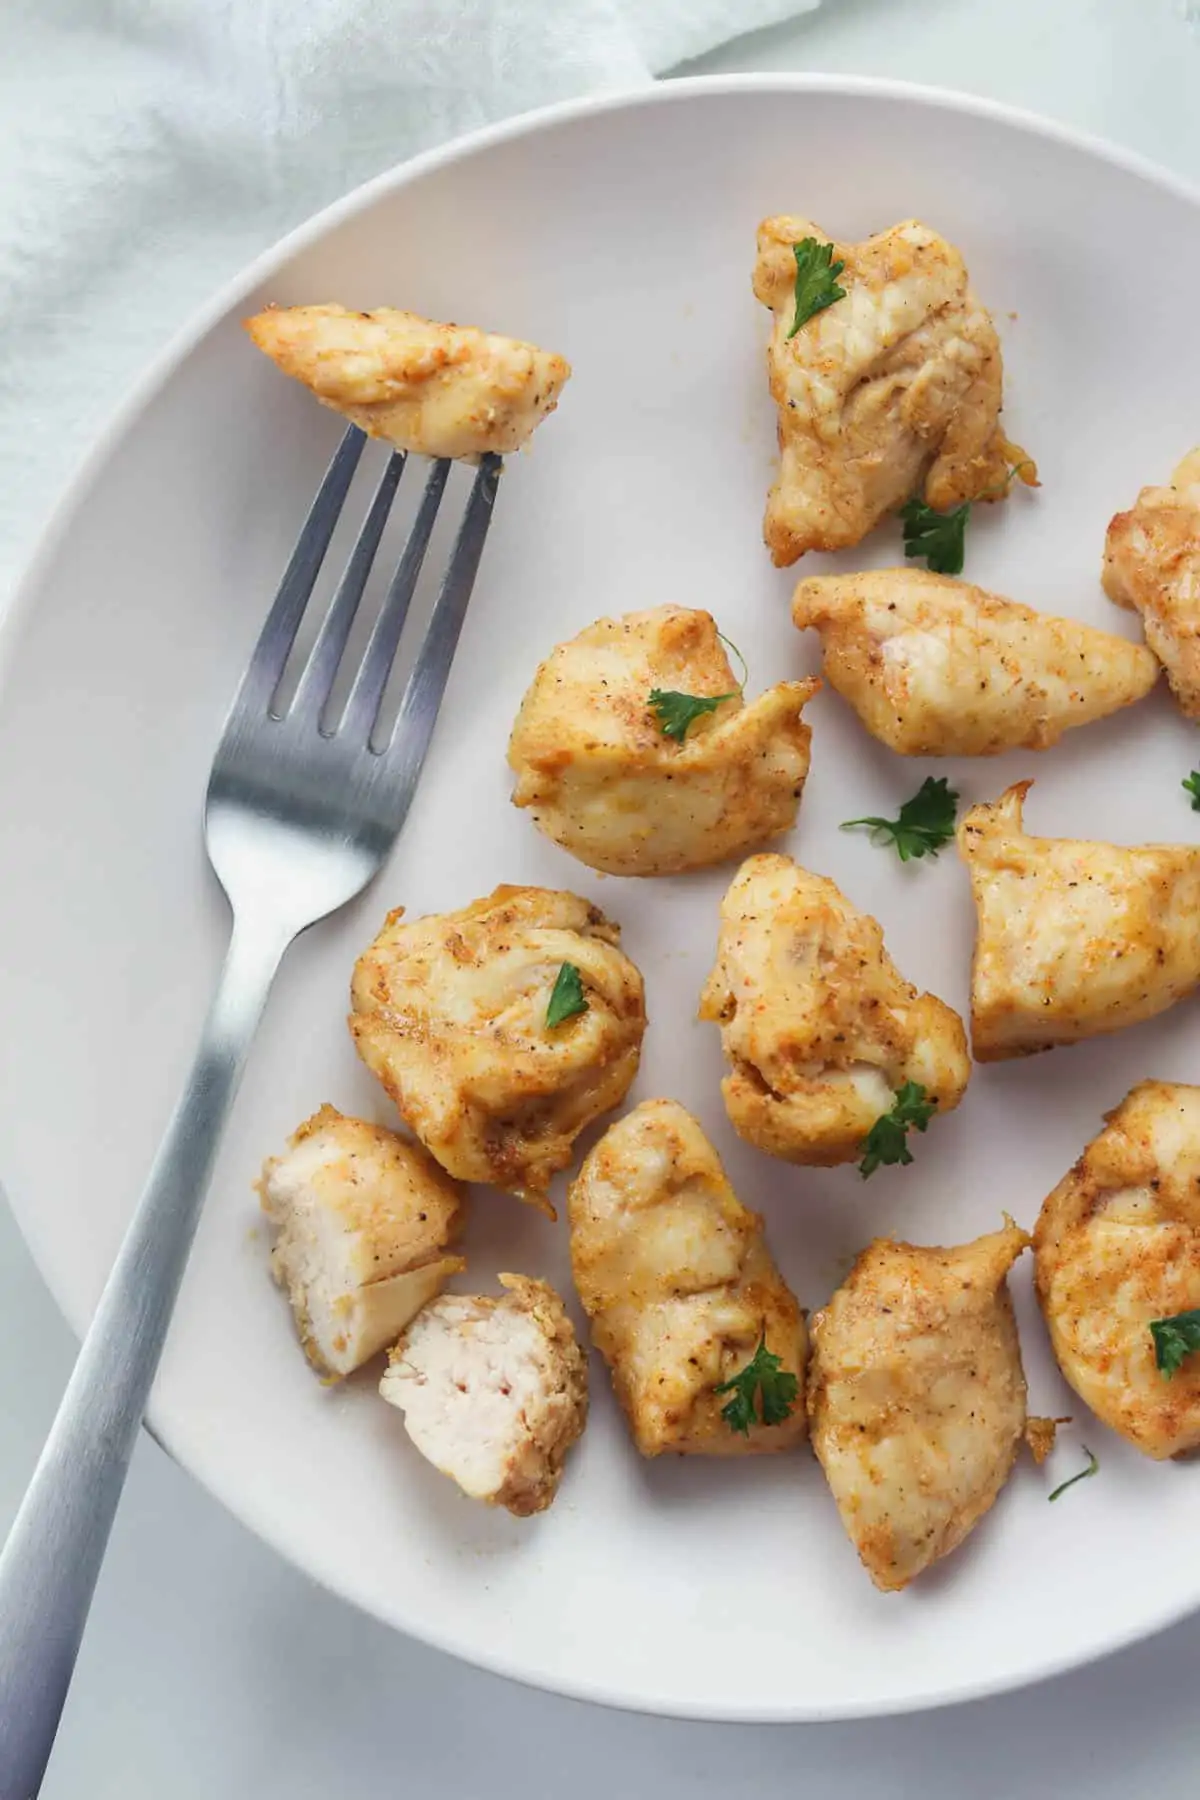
(49,1566)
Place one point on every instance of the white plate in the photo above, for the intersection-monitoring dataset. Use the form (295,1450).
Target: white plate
(621,233)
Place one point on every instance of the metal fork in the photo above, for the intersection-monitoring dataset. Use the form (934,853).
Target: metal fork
(300,814)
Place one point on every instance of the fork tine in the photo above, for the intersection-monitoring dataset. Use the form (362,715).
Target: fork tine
(426,684)
(283,621)
(320,672)
(358,720)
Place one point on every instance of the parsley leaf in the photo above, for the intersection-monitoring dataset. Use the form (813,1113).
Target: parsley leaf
(676,712)
(924,824)
(816,280)
(939,537)
(1092,1465)
(887,1140)
(777,1387)
(1192,786)
(566,997)
(1175,1338)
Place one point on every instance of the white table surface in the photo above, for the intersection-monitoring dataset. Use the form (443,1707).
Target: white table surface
(212,1669)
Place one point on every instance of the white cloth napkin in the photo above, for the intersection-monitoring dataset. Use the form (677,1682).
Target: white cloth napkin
(149,148)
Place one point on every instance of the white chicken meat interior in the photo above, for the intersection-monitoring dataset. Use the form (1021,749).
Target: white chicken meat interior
(361,1219)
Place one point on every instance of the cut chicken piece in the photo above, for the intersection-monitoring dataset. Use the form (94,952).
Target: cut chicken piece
(936,667)
(1152,565)
(681,1289)
(361,1219)
(916,1397)
(441,390)
(606,782)
(820,1028)
(452,1013)
(1117,1248)
(891,391)
(1073,938)
(493,1392)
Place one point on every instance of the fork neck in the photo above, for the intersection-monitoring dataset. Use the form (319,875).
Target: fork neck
(256,949)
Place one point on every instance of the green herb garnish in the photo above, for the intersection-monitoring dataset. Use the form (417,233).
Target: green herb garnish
(887,1140)
(1192,786)
(1175,1338)
(1092,1466)
(566,996)
(676,712)
(816,280)
(941,538)
(777,1387)
(925,822)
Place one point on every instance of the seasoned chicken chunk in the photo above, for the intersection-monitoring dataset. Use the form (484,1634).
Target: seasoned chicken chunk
(1117,1248)
(681,1289)
(1073,938)
(936,667)
(916,1397)
(452,1013)
(361,1219)
(606,781)
(1152,565)
(441,390)
(819,1026)
(891,391)
(493,1392)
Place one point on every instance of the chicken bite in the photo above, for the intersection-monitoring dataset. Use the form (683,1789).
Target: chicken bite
(916,1397)
(440,390)
(891,391)
(452,1013)
(1152,566)
(493,1392)
(820,1028)
(936,667)
(1117,1247)
(1073,938)
(681,1289)
(361,1219)
(604,780)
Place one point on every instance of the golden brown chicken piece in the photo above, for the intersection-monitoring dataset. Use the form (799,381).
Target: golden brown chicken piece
(1117,1247)
(1073,938)
(605,780)
(361,1219)
(493,1391)
(1152,565)
(677,1280)
(892,391)
(451,1013)
(916,1397)
(818,1024)
(441,390)
(936,667)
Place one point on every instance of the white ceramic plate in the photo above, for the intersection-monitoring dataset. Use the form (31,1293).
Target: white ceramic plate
(621,233)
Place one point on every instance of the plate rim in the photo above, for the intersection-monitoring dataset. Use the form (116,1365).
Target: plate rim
(61,517)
